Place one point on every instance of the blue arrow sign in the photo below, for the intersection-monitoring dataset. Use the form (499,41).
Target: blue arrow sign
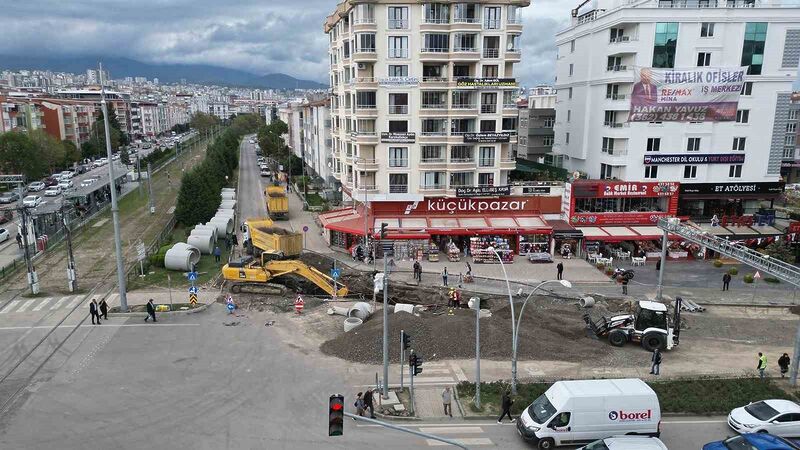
(335,273)
(192,276)
(193,289)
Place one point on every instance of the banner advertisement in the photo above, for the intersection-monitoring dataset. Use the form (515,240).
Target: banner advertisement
(483,191)
(728,158)
(699,94)
(617,189)
(398,81)
(487,138)
(616,218)
(775,187)
(398,138)
(486,82)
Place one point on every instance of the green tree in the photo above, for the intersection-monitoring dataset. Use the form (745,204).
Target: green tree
(98,136)
(203,122)
(71,153)
(50,149)
(20,155)
(780,251)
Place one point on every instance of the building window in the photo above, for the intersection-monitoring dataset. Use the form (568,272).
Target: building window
(490,71)
(488,126)
(738,144)
(398,183)
(398,46)
(398,126)
(436,43)
(735,171)
(747,88)
(651,172)
(491,17)
(703,59)
(514,15)
(571,69)
(398,156)
(485,179)
(791,128)
(365,99)
(689,171)
(693,144)
(437,13)
(707,29)
(572,46)
(434,99)
(743,116)
(569,116)
(398,71)
(398,18)
(432,153)
(569,93)
(793,114)
(755,36)
(509,124)
(460,179)
(486,157)
(488,102)
(513,43)
(608,145)
(433,180)
(398,103)
(460,127)
(666,42)
(548,122)
(465,13)
(465,42)
(461,154)
(566,138)
(653,144)
(605,171)
(789,140)
(547,141)
(788,152)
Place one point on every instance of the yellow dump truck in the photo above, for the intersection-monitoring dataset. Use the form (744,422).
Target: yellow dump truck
(277,202)
(261,236)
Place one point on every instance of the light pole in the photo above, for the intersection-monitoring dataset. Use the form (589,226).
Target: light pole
(513,327)
(476,304)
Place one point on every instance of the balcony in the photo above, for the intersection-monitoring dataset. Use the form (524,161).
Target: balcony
(364,137)
(364,82)
(725,3)
(491,53)
(492,24)
(623,39)
(508,163)
(462,161)
(616,68)
(434,81)
(366,110)
(366,165)
(616,124)
(434,54)
(432,187)
(513,55)
(398,189)
(432,161)
(488,109)
(442,105)
(398,53)
(398,162)
(365,24)
(466,54)
(398,109)
(398,24)
(486,162)
(465,108)
(616,96)
(365,55)
(614,152)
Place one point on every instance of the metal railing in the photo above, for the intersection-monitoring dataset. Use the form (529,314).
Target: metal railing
(469,160)
(396,24)
(431,187)
(398,188)
(465,49)
(486,162)
(398,162)
(436,21)
(434,79)
(491,53)
(398,109)
(365,21)
(464,106)
(398,53)
(488,109)
(616,124)
(364,50)
(434,106)
(622,39)
(466,20)
(616,96)
(492,24)
(616,68)
(435,50)
(432,161)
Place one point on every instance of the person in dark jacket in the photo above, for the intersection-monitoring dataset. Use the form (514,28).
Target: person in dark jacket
(783,363)
(151,311)
(93,312)
(559,271)
(624,286)
(655,368)
(658,264)
(104,309)
(368,403)
(726,282)
(506,404)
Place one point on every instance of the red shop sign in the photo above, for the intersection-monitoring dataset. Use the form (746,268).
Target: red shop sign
(634,189)
(470,206)
(617,218)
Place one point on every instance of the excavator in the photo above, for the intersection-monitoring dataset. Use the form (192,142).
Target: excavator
(253,276)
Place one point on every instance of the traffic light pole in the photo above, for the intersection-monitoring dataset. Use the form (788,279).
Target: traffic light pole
(405,430)
(411,391)
(385,328)
(402,355)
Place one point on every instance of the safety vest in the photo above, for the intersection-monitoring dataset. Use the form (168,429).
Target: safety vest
(762,362)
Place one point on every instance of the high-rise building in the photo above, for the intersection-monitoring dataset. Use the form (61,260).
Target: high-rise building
(537,117)
(423,96)
(724,167)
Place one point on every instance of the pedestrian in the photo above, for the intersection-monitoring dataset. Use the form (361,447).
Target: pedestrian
(444,276)
(762,365)
(460,280)
(151,311)
(783,363)
(359,404)
(390,266)
(447,398)
(624,285)
(559,270)
(451,298)
(93,312)
(658,265)
(217,253)
(506,404)
(19,240)
(359,253)
(726,282)
(655,369)
(469,270)
(418,271)
(104,309)
(368,403)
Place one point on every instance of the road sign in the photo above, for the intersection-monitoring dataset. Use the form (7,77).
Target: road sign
(193,289)
(193,299)
(335,273)
(757,275)
(192,276)
(141,252)
(305,229)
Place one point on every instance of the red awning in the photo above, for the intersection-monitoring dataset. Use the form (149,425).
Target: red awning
(622,233)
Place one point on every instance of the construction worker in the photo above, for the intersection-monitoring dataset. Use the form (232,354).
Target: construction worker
(451,296)
(762,364)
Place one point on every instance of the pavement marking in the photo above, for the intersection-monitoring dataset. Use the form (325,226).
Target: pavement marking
(448,429)
(459,373)
(25,305)
(466,441)
(430,371)
(699,422)
(100,223)
(42,304)
(59,303)
(75,302)
(107,324)
(456,425)
(10,306)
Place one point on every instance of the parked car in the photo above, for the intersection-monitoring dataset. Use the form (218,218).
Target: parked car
(6,215)
(88,182)
(9,197)
(754,441)
(626,443)
(66,184)
(53,191)
(32,201)
(50,181)
(36,186)
(4,236)
(778,417)
(67,174)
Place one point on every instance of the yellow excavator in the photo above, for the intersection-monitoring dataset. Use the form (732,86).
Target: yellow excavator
(251,275)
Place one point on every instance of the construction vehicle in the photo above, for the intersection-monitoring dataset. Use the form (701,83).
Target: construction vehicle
(254,276)
(261,236)
(277,202)
(650,325)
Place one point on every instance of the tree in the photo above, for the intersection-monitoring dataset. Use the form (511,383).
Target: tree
(98,137)
(50,149)
(71,153)
(20,155)
(779,250)
(203,122)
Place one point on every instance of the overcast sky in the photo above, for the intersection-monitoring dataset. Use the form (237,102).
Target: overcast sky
(260,36)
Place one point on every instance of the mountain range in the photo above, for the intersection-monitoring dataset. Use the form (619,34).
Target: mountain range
(166,73)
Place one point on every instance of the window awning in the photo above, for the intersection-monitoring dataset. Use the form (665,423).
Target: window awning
(622,233)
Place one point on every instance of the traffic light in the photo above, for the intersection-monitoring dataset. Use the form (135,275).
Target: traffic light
(384,225)
(406,339)
(417,365)
(336,415)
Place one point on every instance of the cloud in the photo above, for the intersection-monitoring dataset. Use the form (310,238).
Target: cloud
(256,36)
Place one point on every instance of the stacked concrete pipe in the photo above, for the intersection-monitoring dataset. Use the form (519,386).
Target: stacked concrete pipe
(203,240)
(224,225)
(181,257)
(207,227)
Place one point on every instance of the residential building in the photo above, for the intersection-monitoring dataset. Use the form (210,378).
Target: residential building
(423,95)
(316,134)
(608,38)
(537,118)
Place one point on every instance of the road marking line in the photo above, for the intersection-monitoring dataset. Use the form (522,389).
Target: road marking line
(10,306)
(435,424)
(42,304)
(59,303)
(419,379)
(459,373)
(448,429)
(75,302)
(699,422)
(467,441)
(25,305)
(107,324)
(430,371)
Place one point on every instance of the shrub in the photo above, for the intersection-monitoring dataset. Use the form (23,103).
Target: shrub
(733,271)
(748,278)
(157,259)
(609,270)
(772,280)
(717,263)
(600,266)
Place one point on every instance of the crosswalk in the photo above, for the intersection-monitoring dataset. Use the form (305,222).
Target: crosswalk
(47,304)
(437,374)
(466,434)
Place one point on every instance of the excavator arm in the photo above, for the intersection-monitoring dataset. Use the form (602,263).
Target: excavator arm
(284,267)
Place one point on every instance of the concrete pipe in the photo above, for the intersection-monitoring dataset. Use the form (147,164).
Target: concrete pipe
(194,250)
(228,196)
(229,190)
(227,204)
(202,241)
(225,213)
(181,257)
(224,225)
(352,322)
(210,228)
(586,302)
(338,311)
(404,307)
(205,233)
(362,310)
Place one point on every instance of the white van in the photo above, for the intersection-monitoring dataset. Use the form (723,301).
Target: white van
(582,411)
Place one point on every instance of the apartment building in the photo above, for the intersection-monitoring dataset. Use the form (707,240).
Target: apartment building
(731,167)
(423,96)
(537,117)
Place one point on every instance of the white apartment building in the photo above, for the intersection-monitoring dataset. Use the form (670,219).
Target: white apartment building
(423,95)
(608,38)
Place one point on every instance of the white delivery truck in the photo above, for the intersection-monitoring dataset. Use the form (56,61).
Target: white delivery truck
(582,411)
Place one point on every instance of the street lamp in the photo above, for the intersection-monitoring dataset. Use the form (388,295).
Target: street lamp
(475,303)
(513,326)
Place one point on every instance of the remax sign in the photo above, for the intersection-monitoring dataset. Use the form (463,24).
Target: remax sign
(637,416)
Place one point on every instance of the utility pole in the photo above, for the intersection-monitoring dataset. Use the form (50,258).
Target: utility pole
(72,276)
(139,174)
(386,324)
(476,303)
(150,200)
(664,245)
(123,299)
(33,278)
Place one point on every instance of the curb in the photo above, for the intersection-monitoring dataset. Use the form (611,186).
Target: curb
(400,418)
(200,308)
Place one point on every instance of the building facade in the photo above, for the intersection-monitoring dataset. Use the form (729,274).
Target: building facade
(608,38)
(423,96)
(537,117)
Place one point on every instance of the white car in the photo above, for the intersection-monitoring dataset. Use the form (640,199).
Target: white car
(67,174)
(778,417)
(53,191)
(36,186)
(88,182)
(65,184)
(4,235)
(31,201)
(626,443)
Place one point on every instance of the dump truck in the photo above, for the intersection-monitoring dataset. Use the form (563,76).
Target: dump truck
(254,275)
(277,202)
(261,236)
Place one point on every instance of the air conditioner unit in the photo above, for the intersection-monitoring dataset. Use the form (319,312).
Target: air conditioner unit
(362,66)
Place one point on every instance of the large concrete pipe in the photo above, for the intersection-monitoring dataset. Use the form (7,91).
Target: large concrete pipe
(210,228)
(229,190)
(224,225)
(362,310)
(204,232)
(225,213)
(228,196)
(228,204)
(201,241)
(194,250)
(181,257)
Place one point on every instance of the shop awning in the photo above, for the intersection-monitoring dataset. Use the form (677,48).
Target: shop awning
(623,233)
(563,230)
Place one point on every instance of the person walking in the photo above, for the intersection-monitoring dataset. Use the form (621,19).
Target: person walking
(655,368)
(93,311)
(359,404)
(559,270)
(217,253)
(151,311)
(104,309)
(726,282)
(19,240)
(447,398)
(444,276)
(762,365)
(624,286)
(658,265)
(506,403)
(469,269)
(368,403)
(783,363)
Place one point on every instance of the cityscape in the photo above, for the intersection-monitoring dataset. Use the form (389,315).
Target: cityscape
(399,224)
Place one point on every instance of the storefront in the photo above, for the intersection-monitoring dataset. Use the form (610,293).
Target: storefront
(702,201)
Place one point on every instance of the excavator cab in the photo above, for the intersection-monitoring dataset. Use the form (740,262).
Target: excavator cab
(650,315)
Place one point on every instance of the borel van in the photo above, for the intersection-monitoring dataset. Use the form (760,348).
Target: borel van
(582,411)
